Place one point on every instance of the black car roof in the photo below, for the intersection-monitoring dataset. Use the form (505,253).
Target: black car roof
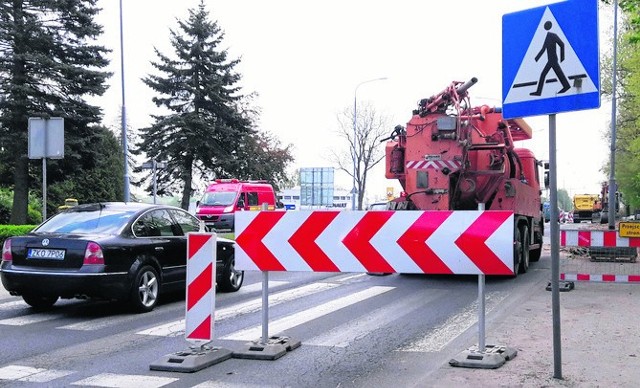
(114,205)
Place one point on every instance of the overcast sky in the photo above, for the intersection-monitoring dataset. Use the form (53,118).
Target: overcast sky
(305,59)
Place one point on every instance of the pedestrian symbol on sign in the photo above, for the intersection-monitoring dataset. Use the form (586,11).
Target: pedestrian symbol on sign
(550,59)
(551,41)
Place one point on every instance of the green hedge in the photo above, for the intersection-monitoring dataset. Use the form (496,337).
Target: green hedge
(14,230)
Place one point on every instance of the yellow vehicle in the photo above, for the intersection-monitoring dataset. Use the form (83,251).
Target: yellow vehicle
(586,207)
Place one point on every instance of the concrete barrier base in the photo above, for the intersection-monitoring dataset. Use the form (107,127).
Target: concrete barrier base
(275,348)
(191,360)
(492,357)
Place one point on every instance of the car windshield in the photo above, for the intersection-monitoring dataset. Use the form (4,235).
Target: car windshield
(94,220)
(221,198)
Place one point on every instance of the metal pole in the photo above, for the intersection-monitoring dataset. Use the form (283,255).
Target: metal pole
(265,307)
(481,305)
(44,186)
(612,179)
(555,250)
(355,126)
(154,165)
(125,148)
(44,171)
(265,298)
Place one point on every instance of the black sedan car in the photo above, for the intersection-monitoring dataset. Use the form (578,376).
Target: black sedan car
(121,251)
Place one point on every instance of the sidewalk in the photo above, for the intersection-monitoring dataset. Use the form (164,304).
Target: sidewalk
(600,342)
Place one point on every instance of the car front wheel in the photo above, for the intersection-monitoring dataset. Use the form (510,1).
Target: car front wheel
(145,290)
(231,279)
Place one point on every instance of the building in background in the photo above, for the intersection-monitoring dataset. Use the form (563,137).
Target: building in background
(291,198)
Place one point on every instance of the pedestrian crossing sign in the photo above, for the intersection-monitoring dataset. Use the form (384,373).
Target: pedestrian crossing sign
(550,59)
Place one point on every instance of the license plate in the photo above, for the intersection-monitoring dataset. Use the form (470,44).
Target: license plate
(56,254)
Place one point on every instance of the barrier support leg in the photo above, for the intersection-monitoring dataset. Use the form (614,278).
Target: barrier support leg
(266,348)
(483,356)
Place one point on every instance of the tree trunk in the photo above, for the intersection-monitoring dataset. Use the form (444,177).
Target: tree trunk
(20,192)
(187,177)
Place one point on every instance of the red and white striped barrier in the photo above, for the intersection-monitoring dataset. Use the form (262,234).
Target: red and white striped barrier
(201,275)
(596,238)
(608,278)
(432,242)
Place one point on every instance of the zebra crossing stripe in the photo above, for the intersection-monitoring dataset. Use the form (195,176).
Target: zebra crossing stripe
(341,336)
(176,328)
(13,305)
(30,374)
(28,319)
(125,381)
(308,315)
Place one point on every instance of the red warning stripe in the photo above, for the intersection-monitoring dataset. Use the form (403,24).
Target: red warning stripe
(358,241)
(251,240)
(304,241)
(203,331)
(413,242)
(199,287)
(196,241)
(473,243)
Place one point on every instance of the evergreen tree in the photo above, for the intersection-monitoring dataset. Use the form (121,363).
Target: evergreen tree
(208,127)
(49,61)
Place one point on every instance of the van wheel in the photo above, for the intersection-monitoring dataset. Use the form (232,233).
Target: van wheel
(231,279)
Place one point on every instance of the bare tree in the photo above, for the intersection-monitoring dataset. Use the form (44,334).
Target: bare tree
(365,150)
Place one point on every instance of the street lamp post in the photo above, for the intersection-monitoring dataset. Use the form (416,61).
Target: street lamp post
(354,191)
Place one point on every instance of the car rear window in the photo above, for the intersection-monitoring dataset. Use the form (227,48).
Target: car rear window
(95,221)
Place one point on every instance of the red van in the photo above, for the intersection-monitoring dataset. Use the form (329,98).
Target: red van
(226,196)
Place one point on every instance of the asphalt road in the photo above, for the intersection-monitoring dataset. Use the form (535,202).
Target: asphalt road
(356,331)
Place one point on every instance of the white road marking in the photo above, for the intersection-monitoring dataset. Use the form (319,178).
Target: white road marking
(176,328)
(30,374)
(308,315)
(28,319)
(441,336)
(341,336)
(101,323)
(258,286)
(13,305)
(113,380)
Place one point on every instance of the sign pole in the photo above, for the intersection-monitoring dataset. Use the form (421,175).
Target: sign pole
(555,249)
(481,305)
(44,173)
(265,307)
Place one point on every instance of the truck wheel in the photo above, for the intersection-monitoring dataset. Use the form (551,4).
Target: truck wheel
(517,250)
(535,254)
(524,260)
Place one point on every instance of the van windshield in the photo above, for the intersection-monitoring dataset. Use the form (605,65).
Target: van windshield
(219,198)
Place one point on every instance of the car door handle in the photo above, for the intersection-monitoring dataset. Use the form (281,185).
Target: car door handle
(159,249)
